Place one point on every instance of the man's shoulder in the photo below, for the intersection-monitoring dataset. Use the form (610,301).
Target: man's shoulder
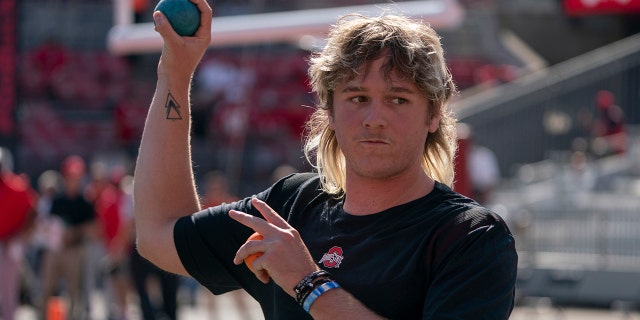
(461,209)
(296,188)
(296,181)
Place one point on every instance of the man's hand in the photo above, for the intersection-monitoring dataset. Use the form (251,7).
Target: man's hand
(285,257)
(181,55)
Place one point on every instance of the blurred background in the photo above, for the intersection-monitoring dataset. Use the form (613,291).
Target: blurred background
(549,111)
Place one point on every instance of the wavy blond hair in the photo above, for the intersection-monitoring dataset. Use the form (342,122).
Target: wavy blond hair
(414,51)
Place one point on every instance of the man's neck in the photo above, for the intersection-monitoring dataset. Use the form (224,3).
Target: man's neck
(368,196)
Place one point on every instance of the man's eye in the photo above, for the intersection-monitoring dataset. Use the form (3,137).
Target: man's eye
(399,100)
(358,99)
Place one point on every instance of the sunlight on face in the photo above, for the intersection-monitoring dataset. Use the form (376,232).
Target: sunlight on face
(381,123)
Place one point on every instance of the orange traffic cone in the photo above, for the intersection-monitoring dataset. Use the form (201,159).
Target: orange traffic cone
(56,309)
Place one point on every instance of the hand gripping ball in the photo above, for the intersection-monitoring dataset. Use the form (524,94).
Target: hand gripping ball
(252,257)
(183,15)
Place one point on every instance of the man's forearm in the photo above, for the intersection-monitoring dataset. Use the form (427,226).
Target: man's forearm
(164,187)
(339,304)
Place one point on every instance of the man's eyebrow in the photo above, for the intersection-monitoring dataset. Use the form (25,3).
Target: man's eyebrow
(353,88)
(397,89)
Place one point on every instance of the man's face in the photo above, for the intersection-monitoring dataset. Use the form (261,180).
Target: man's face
(381,124)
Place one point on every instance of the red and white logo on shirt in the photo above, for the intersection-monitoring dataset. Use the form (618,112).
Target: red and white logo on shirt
(332,258)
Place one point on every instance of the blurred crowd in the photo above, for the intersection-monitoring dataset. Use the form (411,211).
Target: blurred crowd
(71,235)
(248,109)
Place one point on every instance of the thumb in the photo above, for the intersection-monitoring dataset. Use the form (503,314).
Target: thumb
(162,25)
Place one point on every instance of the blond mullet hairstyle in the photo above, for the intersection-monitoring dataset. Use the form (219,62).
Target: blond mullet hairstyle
(414,51)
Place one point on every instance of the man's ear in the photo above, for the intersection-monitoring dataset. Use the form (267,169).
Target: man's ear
(330,118)
(434,123)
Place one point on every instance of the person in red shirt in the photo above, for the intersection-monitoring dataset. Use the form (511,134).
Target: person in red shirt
(114,231)
(609,129)
(17,200)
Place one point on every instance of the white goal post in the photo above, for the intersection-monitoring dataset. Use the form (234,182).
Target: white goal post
(127,37)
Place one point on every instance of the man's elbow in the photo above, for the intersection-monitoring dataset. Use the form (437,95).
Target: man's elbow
(142,245)
(154,241)
(143,240)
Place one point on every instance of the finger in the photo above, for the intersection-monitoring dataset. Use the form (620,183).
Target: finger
(269,214)
(263,276)
(248,248)
(256,249)
(258,224)
(206,14)
(260,271)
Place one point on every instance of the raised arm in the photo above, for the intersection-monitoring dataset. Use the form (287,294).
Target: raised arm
(164,188)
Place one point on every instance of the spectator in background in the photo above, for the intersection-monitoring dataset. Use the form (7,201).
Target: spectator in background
(483,171)
(49,186)
(140,10)
(477,171)
(609,130)
(579,178)
(119,248)
(47,232)
(143,272)
(140,271)
(462,184)
(128,116)
(18,212)
(50,58)
(114,232)
(67,262)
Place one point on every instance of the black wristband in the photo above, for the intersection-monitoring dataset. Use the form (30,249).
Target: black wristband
(304,294)
(306,285)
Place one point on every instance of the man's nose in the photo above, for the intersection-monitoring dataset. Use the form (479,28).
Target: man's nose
(375,115)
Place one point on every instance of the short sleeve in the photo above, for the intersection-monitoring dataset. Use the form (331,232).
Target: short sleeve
(207,242)
(476,272)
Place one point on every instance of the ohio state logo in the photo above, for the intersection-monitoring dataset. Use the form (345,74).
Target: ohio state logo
(332,258)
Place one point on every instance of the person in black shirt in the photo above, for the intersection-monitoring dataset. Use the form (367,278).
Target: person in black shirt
(375,231)
(66,260)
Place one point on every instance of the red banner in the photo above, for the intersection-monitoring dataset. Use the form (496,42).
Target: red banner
(600,7)
(8,65)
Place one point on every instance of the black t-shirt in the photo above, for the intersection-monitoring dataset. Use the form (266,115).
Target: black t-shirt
(74,211)
(441,256)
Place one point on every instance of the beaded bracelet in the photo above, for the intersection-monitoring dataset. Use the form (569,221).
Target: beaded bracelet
(317,292)
(306,285)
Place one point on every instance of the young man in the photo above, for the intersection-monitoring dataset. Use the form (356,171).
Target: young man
(376,232)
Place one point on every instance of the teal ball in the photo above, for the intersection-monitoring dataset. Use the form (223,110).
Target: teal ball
(183,15)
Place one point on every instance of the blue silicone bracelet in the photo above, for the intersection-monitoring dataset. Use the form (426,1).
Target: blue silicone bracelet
(318,292)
